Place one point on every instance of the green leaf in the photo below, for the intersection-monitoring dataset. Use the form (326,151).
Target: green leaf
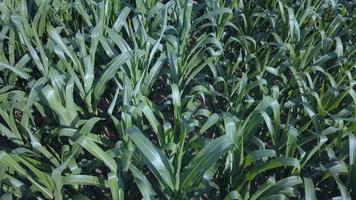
(272,164)
(7,160)
(309,189)
(119,23)
(110,73)
(83,180)
(272,189)
(156,161)
(143,184)
(193,173)
(96,151)
(258,154)
(17,71)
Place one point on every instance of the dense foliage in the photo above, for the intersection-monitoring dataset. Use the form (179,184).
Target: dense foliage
(179,99)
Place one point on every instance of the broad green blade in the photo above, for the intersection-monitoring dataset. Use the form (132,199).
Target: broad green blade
(193,173)
(153,157)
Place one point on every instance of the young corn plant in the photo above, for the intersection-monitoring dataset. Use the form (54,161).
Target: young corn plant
(149,99)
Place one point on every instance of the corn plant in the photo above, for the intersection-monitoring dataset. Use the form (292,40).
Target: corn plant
(178,99)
